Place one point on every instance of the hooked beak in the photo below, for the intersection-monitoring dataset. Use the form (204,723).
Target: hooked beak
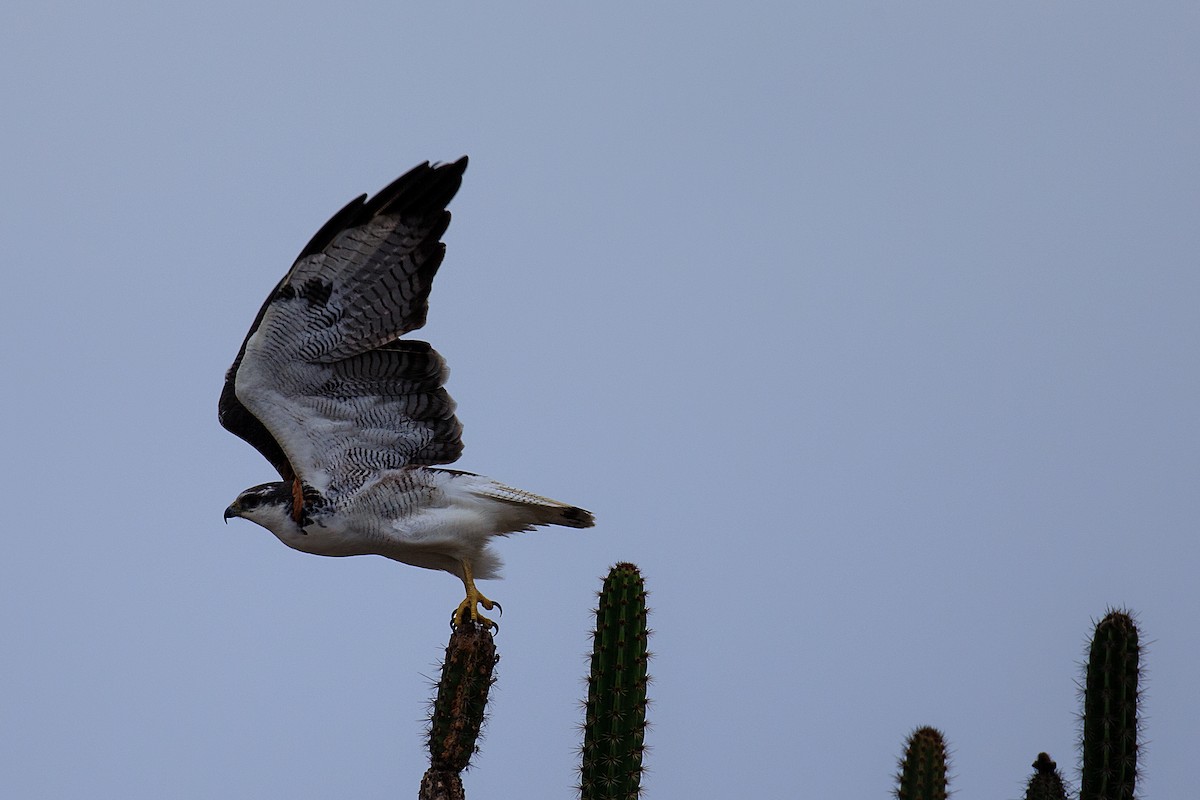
(231,512)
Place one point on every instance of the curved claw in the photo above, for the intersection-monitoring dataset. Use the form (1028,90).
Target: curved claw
(466,613)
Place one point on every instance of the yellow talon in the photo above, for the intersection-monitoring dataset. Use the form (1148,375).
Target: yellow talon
(467,610)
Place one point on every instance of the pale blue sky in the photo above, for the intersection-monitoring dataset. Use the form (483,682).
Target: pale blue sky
(868,330)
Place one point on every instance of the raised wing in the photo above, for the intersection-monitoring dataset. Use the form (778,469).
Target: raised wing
(322,386)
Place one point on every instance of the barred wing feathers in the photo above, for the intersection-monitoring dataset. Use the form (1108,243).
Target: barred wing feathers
(322,386)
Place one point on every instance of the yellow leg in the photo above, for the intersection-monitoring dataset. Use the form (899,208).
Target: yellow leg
(467,609)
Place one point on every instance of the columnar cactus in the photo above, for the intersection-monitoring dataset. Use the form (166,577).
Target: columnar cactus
(923,768)
(1047,781)
(458,710)
(615,715)
(1110,719)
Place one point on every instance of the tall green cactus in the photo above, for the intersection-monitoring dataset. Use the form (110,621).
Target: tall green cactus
(923,768)
(458,710)
(615,716)
(1047,781)
(1110,718)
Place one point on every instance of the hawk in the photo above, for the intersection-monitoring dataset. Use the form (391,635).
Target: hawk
(354,418)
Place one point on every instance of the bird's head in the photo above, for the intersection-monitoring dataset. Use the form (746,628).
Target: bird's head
(269,505)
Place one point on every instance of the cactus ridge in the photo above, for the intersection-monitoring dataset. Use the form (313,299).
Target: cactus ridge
(615,711)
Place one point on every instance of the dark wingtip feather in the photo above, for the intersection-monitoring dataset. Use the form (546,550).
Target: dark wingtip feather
(575,517)
(421,191)
(424,188)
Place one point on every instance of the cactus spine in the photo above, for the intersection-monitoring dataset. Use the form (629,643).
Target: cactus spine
(1047,782)
(1110,720)
(923,768)
(615,715)
(458,710)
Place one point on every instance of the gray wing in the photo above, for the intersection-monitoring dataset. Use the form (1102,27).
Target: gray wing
(323,370)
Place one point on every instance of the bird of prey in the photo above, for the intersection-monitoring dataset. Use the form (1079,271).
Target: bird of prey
(353,417)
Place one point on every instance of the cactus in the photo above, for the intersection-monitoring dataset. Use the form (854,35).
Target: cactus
(1047,782)
(615,711)
(440,785)
(923,768)
(1110,719)
(458,710)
